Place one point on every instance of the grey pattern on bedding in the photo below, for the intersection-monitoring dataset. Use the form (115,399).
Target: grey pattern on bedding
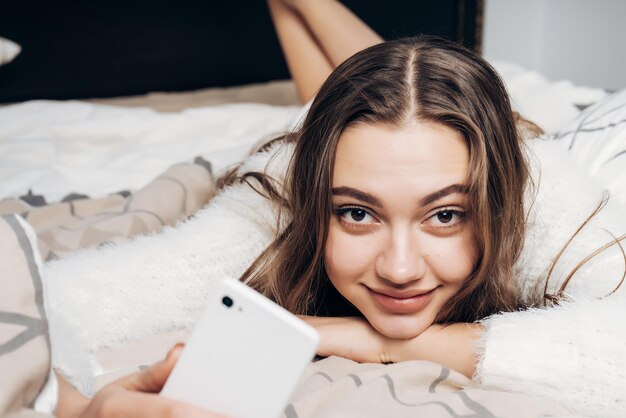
(337,387)
(597,122)
(78,221)
(24,340)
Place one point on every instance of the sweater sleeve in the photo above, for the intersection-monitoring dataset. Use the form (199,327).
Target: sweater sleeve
(572,353)
(153,285)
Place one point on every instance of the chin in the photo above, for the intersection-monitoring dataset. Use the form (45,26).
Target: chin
(399,328)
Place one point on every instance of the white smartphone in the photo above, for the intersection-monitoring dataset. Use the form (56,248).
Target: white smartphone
(244,356)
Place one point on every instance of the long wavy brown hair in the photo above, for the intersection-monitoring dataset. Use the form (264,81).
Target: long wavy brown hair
(399,82)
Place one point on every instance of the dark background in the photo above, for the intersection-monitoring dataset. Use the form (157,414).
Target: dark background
(95,49)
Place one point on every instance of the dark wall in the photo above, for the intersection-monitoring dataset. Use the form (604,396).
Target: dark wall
(114,48)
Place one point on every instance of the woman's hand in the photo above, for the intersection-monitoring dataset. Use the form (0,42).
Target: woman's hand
(135,395)
(350,337)
(452,345)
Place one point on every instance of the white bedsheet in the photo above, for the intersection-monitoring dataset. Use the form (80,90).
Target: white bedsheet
(54,148)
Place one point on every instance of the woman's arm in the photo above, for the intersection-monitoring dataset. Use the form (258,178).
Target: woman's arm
(453,346)
(572,354)
(96,291)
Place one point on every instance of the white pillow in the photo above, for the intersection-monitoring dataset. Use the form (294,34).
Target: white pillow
(597,140)
(8,50)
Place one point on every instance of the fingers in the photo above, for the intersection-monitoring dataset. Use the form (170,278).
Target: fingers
(136,395)
(118,402)
(159,407)
(152,379)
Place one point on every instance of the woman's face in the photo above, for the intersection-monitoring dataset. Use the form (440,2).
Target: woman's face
(399,244)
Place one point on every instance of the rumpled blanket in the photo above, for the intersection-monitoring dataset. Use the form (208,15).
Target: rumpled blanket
(79,222)
(337,387)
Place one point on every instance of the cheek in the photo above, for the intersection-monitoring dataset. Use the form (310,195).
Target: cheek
(453,259)
(347,257)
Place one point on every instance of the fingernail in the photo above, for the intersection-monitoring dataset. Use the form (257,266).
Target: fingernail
(177,347)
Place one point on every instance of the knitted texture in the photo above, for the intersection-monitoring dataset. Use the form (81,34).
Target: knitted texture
(124,292)
(562,198)
(572,354)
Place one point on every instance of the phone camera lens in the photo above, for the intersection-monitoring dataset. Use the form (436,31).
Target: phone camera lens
(228,302)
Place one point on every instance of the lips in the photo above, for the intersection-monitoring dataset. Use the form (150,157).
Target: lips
(402,302)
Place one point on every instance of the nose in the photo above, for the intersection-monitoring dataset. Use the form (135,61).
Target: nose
(401,259)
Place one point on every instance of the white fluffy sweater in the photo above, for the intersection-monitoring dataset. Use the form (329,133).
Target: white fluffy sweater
(574,354)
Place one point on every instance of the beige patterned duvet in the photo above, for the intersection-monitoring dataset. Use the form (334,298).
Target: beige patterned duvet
(80,222)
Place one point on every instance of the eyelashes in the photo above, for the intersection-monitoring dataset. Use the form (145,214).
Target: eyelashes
(444,218)
(448,218)
(355,216)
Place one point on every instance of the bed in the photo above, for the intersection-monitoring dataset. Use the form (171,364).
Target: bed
(131,122)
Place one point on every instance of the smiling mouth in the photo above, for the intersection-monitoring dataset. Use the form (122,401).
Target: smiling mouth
(402,304)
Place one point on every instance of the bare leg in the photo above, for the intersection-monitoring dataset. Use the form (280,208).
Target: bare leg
(317,36)
(307,63)
(338,31)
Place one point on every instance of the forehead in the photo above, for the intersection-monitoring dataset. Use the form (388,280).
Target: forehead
(417,159)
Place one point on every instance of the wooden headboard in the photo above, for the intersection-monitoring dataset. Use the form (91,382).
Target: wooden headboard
(79,49)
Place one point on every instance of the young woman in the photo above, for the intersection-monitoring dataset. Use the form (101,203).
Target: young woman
(405,191)
(400,218)
(408,199)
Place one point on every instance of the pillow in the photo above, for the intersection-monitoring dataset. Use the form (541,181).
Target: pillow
(597,140)
(8,50)
(24,341)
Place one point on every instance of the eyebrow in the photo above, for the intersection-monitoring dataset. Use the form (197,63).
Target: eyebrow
(426,200)
(357,194)
(439,194)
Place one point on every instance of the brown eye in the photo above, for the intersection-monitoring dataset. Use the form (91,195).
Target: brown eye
(445,216)
(357,215)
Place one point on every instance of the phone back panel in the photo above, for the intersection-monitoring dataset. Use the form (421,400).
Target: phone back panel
(243,360)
